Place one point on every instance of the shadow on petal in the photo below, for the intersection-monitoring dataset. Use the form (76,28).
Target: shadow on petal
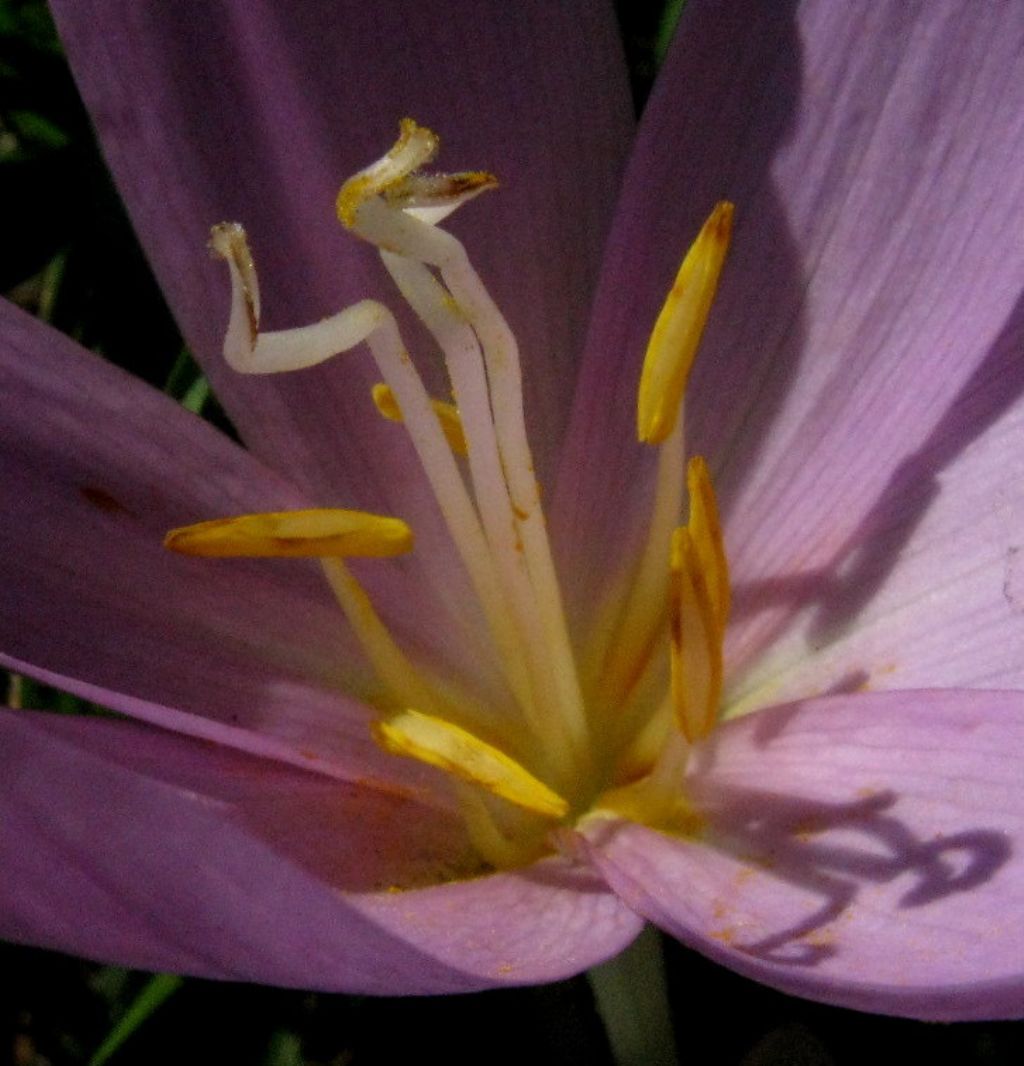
(845,586)
(833,850)
(859,849)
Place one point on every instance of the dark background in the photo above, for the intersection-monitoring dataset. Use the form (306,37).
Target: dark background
(70,257)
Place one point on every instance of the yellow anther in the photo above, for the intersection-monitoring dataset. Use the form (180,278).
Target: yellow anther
(318,533)
(464,755)
(447,415)
(415,147)
(678,330)
(696,649)
(706,536)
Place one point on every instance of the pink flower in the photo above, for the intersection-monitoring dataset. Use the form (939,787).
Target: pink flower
(855,840)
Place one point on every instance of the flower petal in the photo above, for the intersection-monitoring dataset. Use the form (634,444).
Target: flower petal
(242,113)
(859,383)
(928,590)
(862,850)
(333,736)
(136,846)
(97,467)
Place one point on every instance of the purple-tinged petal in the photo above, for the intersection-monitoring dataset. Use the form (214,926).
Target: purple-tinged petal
(862,850)
(97,467)
(858,388)
(332,738)
(928,590)
(247,112)
(133,845)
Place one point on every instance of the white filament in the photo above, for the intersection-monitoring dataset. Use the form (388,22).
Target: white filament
(416,240)
(492,565)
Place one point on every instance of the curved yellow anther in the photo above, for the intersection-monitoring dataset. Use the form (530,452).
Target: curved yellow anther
(320,533)
(680,325)
(706,536)
(415,147)
(447,415)
(696,635)
(464,755)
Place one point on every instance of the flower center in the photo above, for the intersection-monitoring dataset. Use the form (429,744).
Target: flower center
(568,740)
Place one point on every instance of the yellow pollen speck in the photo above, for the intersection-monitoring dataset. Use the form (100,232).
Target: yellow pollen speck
(447,415)
(320,533)
(463,754)
(679,328)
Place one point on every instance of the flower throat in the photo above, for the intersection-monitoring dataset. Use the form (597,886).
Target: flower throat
(580,731)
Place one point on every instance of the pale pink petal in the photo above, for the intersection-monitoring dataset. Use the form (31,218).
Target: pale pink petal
(858,390)
(862,850)
(131,845)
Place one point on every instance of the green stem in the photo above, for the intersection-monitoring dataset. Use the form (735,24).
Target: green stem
(632,999)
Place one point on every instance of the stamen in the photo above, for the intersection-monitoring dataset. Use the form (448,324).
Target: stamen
(630,645)
(696,658)
(627,678)
(330,535)
(679,328)
(400,678)
(671,351)
(447,415)
(706,535)
(289,534)
(466,756)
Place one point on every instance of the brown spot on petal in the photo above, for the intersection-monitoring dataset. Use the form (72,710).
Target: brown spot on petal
(102,500)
